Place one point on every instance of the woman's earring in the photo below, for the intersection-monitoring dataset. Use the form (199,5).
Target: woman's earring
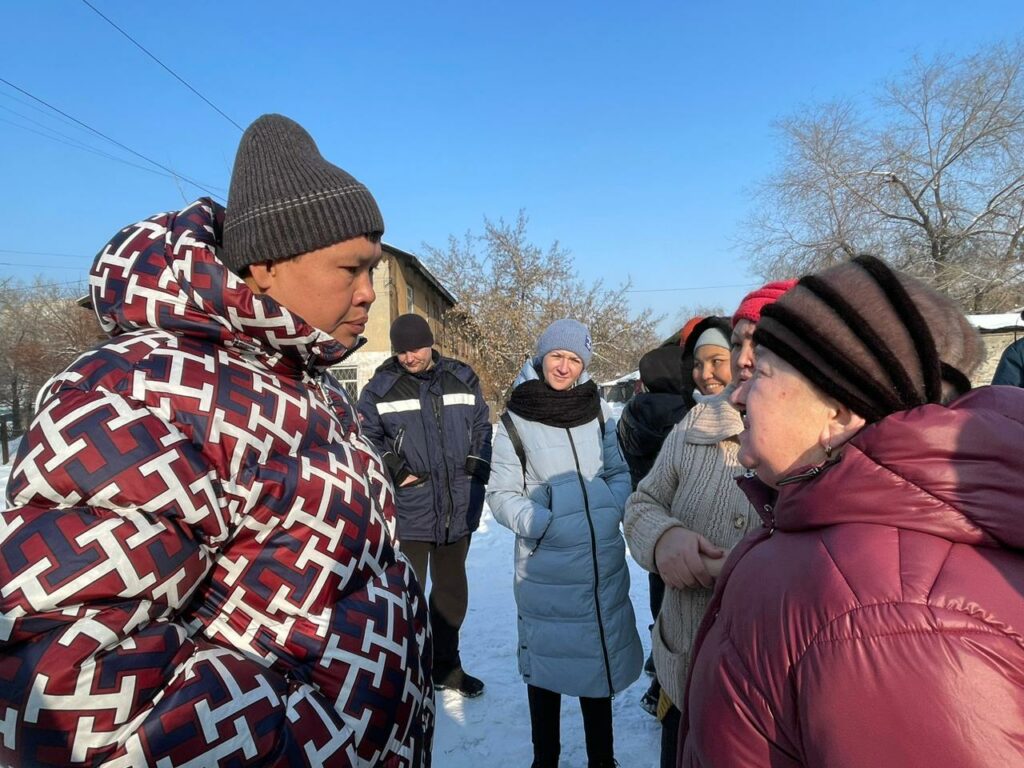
(828,450)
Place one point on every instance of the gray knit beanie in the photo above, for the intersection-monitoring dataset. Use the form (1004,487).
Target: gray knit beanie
(285,199)
(569,335)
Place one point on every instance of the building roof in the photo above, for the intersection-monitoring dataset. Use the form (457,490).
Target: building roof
(416,264)
(632,376)
(1003,321)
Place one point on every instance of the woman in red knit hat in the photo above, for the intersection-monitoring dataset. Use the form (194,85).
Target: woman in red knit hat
(744,321)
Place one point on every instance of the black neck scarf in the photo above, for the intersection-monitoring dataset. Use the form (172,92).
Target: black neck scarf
(536,401)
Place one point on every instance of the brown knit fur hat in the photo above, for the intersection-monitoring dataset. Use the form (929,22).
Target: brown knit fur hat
(876,340)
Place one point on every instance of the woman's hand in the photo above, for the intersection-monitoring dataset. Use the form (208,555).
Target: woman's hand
(679,556)
(715,564)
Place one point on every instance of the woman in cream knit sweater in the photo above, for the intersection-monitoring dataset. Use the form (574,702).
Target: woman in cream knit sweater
(688,512)
(691,491)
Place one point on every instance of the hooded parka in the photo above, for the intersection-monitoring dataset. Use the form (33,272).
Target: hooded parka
(200,567)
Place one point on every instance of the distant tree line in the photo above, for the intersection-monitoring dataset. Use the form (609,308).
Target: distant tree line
(43,330)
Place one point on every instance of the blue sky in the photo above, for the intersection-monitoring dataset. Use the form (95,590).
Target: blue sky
(631,133)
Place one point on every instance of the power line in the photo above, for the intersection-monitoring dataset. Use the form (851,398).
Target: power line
(691,288)
(84,281)
(75,144)
(171,71)
(37,108)
(39,266)
(45,253)
(199,185)
(44,126)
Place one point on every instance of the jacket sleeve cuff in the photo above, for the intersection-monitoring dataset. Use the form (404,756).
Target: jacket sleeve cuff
(396,467)
(479,468)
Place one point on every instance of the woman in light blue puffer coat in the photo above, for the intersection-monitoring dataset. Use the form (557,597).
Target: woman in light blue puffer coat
(559,482)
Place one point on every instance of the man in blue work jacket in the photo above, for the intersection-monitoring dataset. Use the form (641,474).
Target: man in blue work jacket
(427,416)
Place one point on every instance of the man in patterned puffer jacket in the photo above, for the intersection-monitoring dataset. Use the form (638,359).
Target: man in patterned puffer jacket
(200,567)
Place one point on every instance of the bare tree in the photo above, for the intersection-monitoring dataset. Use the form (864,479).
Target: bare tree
(688,311)
(933,181)
(43,331)
(509,290)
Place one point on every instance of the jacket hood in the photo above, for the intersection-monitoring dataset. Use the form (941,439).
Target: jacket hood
(647,418)
(164,273)
(661,371)
(952,471)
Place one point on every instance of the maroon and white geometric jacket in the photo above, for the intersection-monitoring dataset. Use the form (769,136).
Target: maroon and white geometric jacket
(200,565)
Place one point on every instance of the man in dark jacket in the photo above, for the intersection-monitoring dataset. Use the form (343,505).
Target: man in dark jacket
(427,416)
(643,426)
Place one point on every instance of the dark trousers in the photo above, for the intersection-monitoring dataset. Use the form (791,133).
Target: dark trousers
(670,737)
(545,710)
(656,593)
(449,595)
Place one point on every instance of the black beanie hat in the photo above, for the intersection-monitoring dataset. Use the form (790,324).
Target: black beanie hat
(410,332)
(285,199)
(876,340)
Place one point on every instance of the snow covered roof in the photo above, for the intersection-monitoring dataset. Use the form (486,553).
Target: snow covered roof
(997,322)
(622,379)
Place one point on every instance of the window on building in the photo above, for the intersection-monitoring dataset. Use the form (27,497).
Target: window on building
(411,305)
(348,377)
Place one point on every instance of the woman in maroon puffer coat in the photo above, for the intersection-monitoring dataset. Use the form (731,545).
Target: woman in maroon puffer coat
(878,618)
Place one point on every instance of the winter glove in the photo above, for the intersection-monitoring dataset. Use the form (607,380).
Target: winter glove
(479,469)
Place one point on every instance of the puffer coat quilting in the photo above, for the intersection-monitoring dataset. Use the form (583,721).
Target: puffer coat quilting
(577,630)
(200,564)
(878,618)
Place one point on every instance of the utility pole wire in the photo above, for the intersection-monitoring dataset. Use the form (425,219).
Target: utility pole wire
(102,135)
(169,70)
(76,144)
(39,266)
(45,253)
(35,107)
(12,279)
(690,288)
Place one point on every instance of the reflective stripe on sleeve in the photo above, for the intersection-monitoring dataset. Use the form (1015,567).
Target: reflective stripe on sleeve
(398,406)
(460,398)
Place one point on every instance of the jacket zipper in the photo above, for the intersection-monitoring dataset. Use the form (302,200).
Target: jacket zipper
(810,473)
(537,545)
(435,402)
(319,381)
(593,560)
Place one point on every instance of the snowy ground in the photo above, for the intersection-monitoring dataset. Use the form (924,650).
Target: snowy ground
(494,729)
